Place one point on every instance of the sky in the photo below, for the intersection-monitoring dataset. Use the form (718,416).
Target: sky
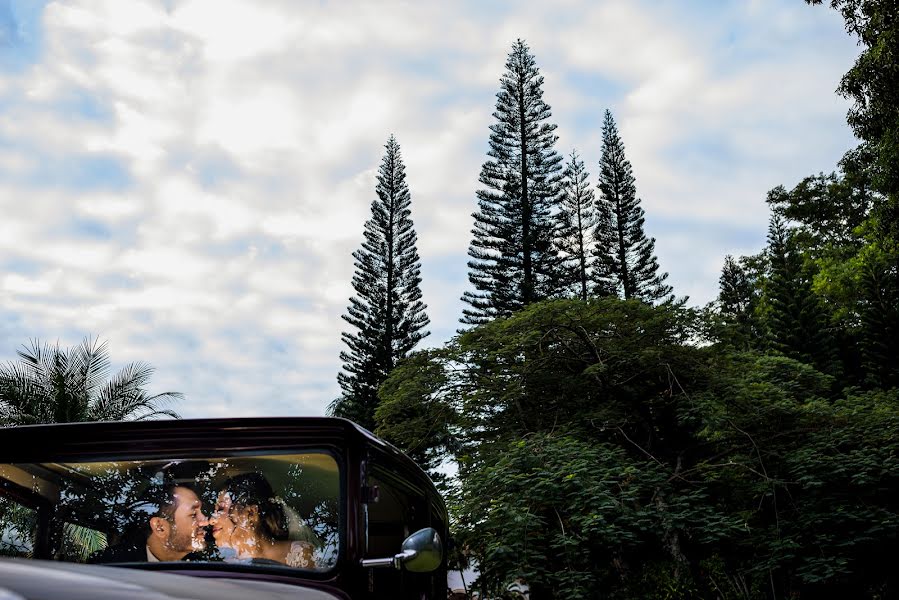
(188,179)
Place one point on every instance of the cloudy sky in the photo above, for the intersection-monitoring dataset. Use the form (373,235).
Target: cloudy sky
(187,179)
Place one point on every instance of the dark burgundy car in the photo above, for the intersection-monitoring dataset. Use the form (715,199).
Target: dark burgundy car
(245,508)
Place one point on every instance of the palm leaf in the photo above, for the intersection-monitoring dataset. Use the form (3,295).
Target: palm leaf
(39,360)
(89,364)
(123,397)
(21,397)
(49,385)
(84,541)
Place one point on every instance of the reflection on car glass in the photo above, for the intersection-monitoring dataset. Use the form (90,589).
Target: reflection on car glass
(277,510)
(17,524)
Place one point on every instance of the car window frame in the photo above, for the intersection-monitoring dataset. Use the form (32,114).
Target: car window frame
(48,523)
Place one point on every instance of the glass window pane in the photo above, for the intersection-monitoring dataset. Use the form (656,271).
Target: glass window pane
(269,511)
(17,526)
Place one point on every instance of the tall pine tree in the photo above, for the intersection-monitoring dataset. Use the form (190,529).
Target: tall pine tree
(577,218)
(797,324)
(626,264)
(737,301)
(514,260)
(879,304)
(386,310)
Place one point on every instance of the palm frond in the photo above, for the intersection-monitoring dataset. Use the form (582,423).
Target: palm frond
(123,397)
(51,385)
(49,368)
(116,398)
(22,398)
(157,413)
(152,404)
(89,364)
(83,541)
(140,407)
(39,359)
(165,397)
(133,376)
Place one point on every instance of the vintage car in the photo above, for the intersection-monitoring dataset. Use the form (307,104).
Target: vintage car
(259,508)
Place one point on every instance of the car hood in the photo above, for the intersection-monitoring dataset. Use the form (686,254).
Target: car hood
(30,579)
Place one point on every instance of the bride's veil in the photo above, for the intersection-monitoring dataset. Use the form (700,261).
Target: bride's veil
(298,530)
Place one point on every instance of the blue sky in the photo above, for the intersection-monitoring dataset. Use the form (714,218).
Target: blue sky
(188,179)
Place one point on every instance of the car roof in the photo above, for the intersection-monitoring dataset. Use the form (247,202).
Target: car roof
(82,441)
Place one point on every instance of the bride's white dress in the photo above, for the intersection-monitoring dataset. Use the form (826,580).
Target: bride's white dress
(300,555)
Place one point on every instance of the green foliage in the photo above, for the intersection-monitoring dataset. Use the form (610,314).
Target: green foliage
(598,366)
(605,450)
(809,472)
(601,453)
(386,311)
(797,323)
(736,321)
(604,372)
(414,413)
(878,275)
(829,211)
(17,525)
(826,288)
(79,542)
(557,513)
(873,83)
(831,217)
(53,385)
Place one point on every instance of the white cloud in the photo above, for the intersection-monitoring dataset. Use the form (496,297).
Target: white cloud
(251,133)
(232,30)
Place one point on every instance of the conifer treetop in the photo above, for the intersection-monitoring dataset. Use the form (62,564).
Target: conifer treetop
(513,262)
(386,312)
(577,221)
(625,264)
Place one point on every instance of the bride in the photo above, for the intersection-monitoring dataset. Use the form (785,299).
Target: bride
(251,525)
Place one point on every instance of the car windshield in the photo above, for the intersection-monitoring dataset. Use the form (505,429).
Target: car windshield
(277,511)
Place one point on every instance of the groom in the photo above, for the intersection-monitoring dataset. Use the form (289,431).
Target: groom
(175,531)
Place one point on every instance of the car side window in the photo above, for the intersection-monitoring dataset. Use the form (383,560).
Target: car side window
(17,526)
(398,512)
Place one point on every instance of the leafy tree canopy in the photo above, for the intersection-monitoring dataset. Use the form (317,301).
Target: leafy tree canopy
(602,452)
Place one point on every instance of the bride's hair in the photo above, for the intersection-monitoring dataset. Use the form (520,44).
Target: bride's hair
(252,489)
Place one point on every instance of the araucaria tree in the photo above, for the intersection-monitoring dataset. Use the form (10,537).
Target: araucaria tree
(514,261)
(386,311)
(577,216)
(797,324)
(737,301)
(626,264)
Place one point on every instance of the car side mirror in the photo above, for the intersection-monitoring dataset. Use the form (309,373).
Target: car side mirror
(421,552)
